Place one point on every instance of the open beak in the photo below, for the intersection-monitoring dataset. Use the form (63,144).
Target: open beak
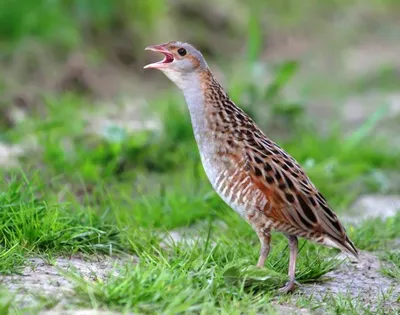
(168,57)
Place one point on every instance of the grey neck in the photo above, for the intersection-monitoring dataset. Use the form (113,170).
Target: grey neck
(190,84)
(194,97)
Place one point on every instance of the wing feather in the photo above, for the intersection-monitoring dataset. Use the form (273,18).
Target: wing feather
(294,200)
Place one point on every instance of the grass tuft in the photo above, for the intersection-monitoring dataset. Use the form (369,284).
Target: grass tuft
(391,266)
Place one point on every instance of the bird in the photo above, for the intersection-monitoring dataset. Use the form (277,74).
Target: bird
(251,173)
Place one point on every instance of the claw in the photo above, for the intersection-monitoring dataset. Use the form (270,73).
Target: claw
(288,288)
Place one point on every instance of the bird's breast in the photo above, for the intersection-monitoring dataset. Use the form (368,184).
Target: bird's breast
(230,180)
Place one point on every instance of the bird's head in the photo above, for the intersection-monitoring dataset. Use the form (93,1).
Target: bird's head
(181,62)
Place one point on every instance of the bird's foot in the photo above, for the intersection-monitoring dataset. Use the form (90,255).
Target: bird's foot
(289,287)
(261,263)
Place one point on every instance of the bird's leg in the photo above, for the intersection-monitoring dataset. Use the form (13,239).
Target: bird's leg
(290,286)
(265,239)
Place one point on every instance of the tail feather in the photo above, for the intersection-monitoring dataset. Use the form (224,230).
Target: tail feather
(351,248)
(346,246)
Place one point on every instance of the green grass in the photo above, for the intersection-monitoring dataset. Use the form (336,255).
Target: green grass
(391,267)
(6,300)
(375,233)
(343,304)
(29,225)
(203,278)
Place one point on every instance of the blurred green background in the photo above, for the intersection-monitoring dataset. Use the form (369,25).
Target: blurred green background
(341,49)
(324,65)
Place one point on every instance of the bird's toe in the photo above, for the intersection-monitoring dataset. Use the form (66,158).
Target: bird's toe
(288,288)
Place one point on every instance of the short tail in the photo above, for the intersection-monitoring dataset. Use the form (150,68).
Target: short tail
(346,246)
(349,247)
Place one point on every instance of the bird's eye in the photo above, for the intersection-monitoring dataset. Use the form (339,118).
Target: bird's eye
(182,51)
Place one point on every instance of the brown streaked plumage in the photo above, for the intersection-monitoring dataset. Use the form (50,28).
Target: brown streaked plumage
(251,173)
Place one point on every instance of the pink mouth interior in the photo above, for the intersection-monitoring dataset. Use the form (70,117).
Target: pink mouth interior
(168,58)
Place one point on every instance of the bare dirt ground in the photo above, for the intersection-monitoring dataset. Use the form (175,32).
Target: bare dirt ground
(361,282)
(41,279)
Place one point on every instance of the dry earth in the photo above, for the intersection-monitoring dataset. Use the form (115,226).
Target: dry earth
(360,282)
